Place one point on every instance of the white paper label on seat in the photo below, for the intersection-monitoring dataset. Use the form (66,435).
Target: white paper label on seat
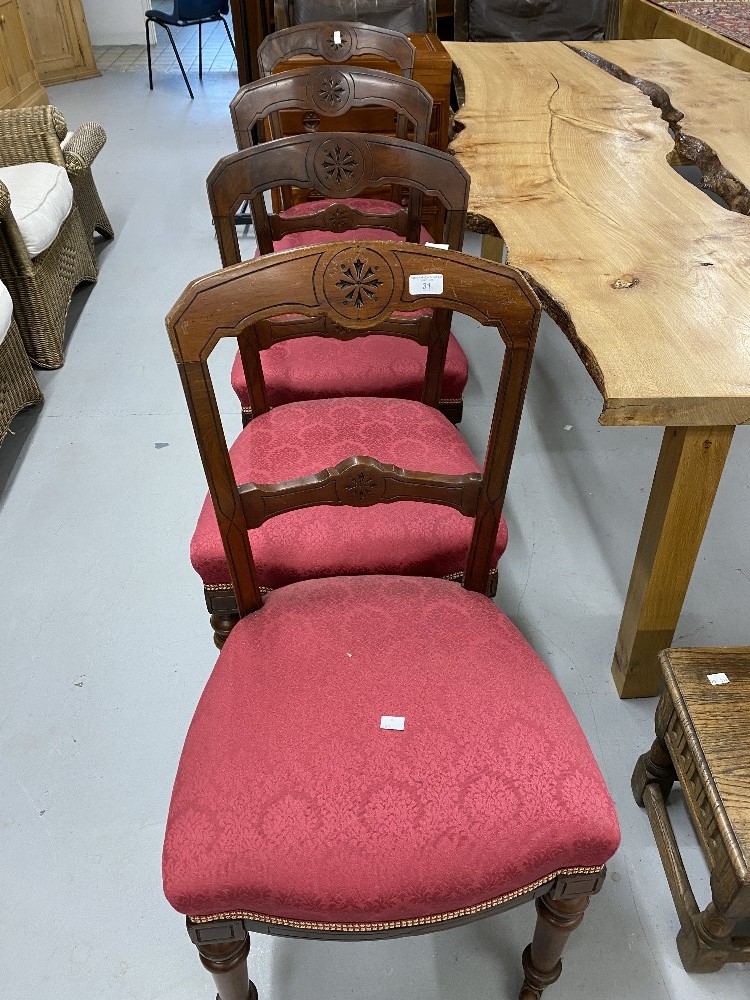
(425,284)
(392,721)
(438,246)
(717,678)
(337,37)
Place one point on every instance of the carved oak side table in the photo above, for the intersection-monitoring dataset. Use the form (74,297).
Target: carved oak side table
(703,741)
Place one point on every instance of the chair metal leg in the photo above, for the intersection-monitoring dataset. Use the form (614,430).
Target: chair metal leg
(229,36)
(200,50)
(148,51)
(177,56)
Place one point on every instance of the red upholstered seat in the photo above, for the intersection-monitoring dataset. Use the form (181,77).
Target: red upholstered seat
(299,439)
(292,802)
(318,368)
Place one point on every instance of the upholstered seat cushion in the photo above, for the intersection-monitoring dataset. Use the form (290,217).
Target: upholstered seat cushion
(6,311)
(292,802)
(318,368)
(41,197)
(299,439)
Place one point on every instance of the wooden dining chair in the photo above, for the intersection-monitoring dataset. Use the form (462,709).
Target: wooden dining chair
(315,98)
(338,168)
(306,376)
(379,755)
(336,42)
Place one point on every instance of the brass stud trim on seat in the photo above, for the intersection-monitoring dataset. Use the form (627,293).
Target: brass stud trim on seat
(389,925)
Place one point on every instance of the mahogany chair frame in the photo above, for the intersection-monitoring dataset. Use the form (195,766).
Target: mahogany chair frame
(283,11)
(343,164)
(317,38)
(327,92)
(317,281)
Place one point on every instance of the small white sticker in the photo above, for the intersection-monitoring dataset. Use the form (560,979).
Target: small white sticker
(438,246)
(392,721)
(425,284)
(568,427)
(337,37)
(717,678)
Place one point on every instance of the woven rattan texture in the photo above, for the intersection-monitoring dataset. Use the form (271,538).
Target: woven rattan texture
(41,287)
(18,388)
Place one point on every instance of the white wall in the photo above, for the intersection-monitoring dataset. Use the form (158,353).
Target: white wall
(116,22)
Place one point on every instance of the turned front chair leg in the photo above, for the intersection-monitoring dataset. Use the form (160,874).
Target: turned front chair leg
(227,963)
(556,920)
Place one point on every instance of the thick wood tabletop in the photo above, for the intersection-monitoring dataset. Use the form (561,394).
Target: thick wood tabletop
(707,100)
(646,19)
(648,277)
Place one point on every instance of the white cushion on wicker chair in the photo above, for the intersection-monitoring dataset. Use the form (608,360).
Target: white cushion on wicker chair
(41,197)
(6,311)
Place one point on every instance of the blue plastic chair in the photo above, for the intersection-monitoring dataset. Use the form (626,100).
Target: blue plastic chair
(184,13)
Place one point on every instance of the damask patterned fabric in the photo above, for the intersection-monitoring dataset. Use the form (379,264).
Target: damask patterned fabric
(299,439)
(291,801)
(319,368)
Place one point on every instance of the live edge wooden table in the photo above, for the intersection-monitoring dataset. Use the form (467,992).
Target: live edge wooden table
(647,276)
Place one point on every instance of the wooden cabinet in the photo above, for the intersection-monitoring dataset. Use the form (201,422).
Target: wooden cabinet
(19,83)
(59,39)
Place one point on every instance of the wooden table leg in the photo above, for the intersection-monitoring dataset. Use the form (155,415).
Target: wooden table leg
(493,248)
(687,476)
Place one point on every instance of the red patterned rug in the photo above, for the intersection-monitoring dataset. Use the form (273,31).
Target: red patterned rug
(730,18)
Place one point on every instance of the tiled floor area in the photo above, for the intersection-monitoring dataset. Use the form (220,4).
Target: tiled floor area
(105,644)
(218,56)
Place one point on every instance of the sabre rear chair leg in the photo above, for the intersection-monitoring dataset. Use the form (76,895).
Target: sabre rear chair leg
(227,963)
(556,920)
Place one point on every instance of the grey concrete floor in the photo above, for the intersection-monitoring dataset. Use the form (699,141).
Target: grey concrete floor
(105,644)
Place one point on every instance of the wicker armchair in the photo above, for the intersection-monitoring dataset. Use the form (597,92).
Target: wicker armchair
(41,286)
(18,388)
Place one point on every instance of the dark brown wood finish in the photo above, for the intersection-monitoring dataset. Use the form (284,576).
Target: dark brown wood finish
(702,742)
(356,286)
(317,39)
(338,165)
(359,482)
(322,94)
(335,165)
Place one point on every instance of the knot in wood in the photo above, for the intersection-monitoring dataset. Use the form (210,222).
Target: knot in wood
(625,281)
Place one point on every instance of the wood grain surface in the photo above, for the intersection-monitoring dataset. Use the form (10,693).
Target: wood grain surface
(648,277)
(708,101)
(642,19)
(720,718)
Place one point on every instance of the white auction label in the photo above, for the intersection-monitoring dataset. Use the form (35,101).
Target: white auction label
(717,678)
(438,246)
(392,721)
(425,284)
(337,38)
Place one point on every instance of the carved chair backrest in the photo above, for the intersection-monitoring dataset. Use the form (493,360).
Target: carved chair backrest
(353,289)
(402,15)
(337,165)
(325,93)
(336,42)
